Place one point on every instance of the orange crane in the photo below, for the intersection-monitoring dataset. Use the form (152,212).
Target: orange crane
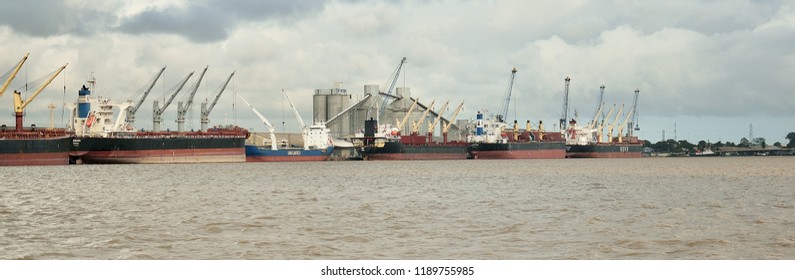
(19,104)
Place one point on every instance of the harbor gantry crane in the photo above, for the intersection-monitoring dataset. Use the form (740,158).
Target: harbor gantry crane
(268,124)
(503,113)
(599,104)
(634,121)
(565,115)
(402,123)
(388,96)
(450,122)
(416,128)
(613,125)
(157,111)
(19,104)
(205,118)
(130,118)
(12,74)
(183,109)
(432,125)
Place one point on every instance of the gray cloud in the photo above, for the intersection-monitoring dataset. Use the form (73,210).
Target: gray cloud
(52,17)
(213,20)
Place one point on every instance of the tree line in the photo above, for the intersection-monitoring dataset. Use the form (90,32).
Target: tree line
(674,146)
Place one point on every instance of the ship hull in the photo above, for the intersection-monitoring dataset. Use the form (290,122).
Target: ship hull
(159,150)
(514,150)
(43,151)
(605,151)
(399,151)
(265,154)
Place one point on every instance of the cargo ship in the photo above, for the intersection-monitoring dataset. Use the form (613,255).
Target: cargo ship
(101,138)
(35,147)
(32,146)
(588,142)
(386,143)
(317,144)
(490,140)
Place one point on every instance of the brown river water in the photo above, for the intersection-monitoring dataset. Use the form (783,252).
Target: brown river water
(649,208)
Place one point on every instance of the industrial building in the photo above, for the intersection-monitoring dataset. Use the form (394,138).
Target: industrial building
(344,113)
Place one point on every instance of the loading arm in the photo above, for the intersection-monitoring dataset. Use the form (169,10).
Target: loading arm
(182,110)
(132,110)
(415,129)
(205,118)
(432,125)
(13,74)
(19,104)
(401,123)
(265,121)
(158,112)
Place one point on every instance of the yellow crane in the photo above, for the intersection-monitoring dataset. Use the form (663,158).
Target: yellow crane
(13,74)
(596,117)
(613,125)
(19,104)
(450,122)
(621,127)
(432,125)
(415,130)
(602,124)
(400,124)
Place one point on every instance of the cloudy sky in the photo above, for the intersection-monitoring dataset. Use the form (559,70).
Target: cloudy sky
(713,68)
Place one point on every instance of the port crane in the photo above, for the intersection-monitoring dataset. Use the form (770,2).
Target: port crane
(304,129)
(634,115)
(388,96)
(416,128)
(599,105)
(130,118)
(503,113)
(565,115)
(205,118)
(19,104)
(432,126)
(450,122)
(268,124)
(157,114)
(401,123)
(182,110)
(12,74)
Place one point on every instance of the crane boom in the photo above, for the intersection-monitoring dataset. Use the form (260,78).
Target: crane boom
(388,94)
(13,74)
(205,118)
(268,124)
(157,111)
(596,116)
(565,114)
(438,117)
(19,104)
(507,102)
(634,115)
(613,125)
(408,113)
(130,119)
(416,128)
(602,123)
(621,127)
(182,110)
(599,105)
(452,119)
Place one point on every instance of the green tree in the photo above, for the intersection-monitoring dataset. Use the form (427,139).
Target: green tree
(777,144)
(759,141)
(744,143)
(791,138)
